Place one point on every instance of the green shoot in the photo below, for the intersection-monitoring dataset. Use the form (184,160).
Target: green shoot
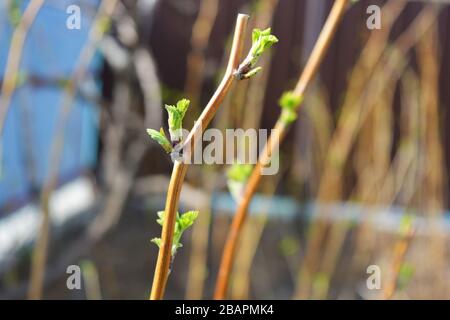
(176,115)
(14,12)
(261,41)
(289,103)
(252,72)
(405,275)
(160,137)
(175,121)
(406,225)
(238,175)
(240,172)
(182,223)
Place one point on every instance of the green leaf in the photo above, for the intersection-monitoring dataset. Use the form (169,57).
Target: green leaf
(289,246)
(261,41)
(182,106)
(406,224)
(288,116)
(182,222)
(161,218)
(160,137)
(187,219)
(175,122)
(289,103)
(176,115)
(252,73)
(156,241)
(321,284)
(175,247)
(238,175)
(256,34)
(14,12)
(405,275)
(104,24)
(240,172)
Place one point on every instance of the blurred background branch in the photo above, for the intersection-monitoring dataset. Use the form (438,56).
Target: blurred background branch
(363,175)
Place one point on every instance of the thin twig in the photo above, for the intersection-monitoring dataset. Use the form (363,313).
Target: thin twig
(196,63)
(400,250)
(329,190)
(273,142)
(13,62)
(40,251)
(329,187)
(179,168)
(432,177)
(196,66)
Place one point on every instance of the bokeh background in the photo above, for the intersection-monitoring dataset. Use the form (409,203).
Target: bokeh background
(363,178)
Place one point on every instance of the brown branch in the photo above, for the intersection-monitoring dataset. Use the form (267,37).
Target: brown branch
(273,142)
(429,68)
(329,187)
(179,168)
(400,250)
(261,16)
(41,247)
(13,62)
(196,63)
(392,62)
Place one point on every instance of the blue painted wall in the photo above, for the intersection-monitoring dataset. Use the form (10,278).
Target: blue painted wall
(51,52)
